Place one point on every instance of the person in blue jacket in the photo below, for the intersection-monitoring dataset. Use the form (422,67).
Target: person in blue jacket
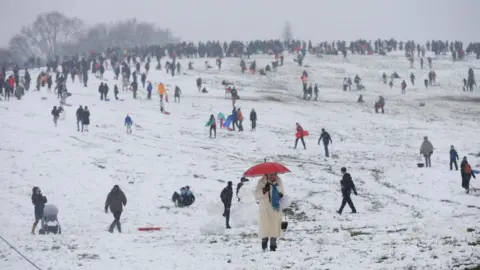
(128,124)
(453,157)
(234,118)
(149,90)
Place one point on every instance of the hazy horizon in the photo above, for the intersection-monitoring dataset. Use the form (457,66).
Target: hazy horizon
(259,19)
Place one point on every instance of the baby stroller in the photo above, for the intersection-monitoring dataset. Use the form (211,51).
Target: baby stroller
(50,222)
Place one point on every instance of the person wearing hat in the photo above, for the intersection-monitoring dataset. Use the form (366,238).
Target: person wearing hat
(347,187)
(116,199)
(453,157)
(226,196)
(426,149)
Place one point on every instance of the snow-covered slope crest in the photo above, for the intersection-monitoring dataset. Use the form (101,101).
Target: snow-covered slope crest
(409,218)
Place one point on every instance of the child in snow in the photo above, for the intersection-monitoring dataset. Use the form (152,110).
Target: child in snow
(56,114)
(128,124)
(213,126)
(221,118)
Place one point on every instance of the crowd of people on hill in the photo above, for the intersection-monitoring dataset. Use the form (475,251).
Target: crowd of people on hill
(131,67)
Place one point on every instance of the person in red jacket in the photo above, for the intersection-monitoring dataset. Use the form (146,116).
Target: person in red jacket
(301,132)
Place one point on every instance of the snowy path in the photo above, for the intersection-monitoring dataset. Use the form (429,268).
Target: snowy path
(407,216)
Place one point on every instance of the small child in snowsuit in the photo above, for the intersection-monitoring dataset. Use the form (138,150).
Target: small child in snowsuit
(128,124)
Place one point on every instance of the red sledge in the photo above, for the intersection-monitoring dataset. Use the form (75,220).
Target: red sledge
(149,229)
(305,134)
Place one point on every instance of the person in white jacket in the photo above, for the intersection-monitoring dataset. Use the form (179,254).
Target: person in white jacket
(268,193)
(426,149)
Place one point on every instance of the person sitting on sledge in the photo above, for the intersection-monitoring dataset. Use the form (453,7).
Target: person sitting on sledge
(184,198)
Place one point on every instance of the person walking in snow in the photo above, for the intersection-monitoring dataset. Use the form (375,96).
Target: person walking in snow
(39,201)
(301,134)
(79,115)
(128,124)
(213,126)
(199,84)
(234,118)
(116,200)
(115,91)
(325,137)
(56,114)
(85,119)
(253,119)
(177,94)
(101,90)
(226,196)
(149,90)
(466,173)
(453,157)
(240,119)
(426,149)
(347,187)
(268,193)
(404,87)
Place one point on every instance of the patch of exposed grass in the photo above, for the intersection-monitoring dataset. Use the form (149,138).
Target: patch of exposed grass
(358,233)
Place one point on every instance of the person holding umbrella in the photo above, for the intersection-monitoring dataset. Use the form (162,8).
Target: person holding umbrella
(268,193)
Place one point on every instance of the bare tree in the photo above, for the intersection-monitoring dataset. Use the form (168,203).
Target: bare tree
(287,32)
(56,34)
(47,34)
(123,34)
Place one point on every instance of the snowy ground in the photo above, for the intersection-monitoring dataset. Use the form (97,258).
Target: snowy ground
(408,217)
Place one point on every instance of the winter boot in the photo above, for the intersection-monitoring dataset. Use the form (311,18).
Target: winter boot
(33,229)
(273,244)
(119,227)
(112,227)
(264,244)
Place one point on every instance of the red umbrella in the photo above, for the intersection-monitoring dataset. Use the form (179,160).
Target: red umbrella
(266,168)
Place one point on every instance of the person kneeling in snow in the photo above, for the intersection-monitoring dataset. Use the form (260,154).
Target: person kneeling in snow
(185,198)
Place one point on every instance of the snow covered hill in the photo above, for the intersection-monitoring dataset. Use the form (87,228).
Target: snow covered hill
(409,218)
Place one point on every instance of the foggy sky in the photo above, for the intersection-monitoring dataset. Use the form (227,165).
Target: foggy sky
(317,20)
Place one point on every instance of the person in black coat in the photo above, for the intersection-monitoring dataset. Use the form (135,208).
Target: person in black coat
(226,196)
(467,173)
(253,119)
(347,187)
(56,114)
(39,202)
(326,140)
(116,199)
(85,119)
(115,91)
(79,115)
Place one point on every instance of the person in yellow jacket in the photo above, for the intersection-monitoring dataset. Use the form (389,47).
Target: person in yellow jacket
(161,90)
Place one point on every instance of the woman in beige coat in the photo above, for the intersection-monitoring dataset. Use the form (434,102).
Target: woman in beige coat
(268,193)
